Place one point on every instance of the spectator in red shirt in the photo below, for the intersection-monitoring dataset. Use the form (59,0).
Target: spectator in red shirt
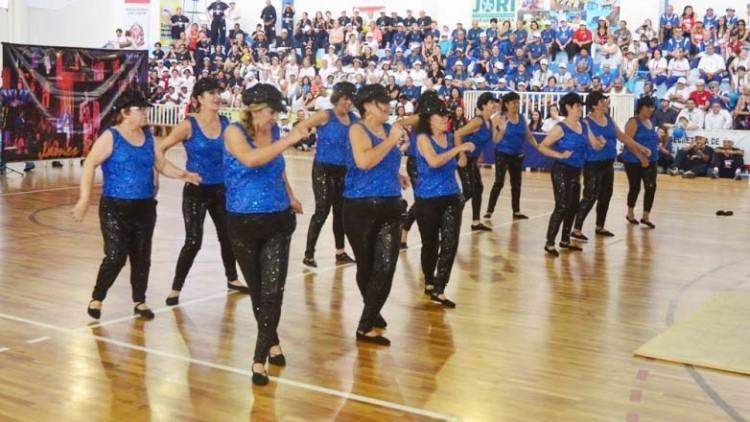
(582,39)
(700,96)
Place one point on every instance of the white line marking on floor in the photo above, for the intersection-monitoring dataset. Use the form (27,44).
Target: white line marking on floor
(284,381)
(43,190)
(38,340)
(4,349)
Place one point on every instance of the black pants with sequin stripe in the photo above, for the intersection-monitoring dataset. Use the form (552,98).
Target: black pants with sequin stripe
(328,188)
(637,174)
(471,184)
(127,228)
(196,202)
(439,221)
(512,164)
(261,244)
(373,227)
(598,184)
(411,170)
(566,185)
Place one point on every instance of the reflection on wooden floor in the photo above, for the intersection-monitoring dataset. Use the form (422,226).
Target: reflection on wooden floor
(531,339)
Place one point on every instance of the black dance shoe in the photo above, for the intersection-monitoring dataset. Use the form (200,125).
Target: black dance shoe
(146,314)
(445,302)
(260,378)
(379,340)
(343,258)
(569,246)
(310,262)
(278,360)
(172,301)
(579,237)
(487,215)
(519,216)
(480,228)
(648,224)
(632,221)
(551,251)
(94,313)
(604,232)
(238,288)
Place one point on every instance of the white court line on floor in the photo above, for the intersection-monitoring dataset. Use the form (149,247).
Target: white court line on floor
(4,349)
(26,192)
(38,340)
(284,381)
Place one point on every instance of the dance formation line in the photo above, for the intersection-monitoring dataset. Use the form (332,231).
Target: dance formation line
(235,173)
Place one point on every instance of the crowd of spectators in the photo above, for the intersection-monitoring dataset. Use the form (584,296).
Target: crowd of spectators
(696,67)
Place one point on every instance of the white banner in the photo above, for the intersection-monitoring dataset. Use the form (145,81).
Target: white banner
(137,23)
(715,137)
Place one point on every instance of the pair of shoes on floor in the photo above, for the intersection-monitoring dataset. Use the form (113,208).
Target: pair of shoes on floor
(146,314)
(344,258)
(57,164)
(722,213)
(480,227)
(442,301)
(377,339)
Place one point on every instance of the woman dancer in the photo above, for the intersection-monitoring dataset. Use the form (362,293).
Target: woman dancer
(127,210)
(511,132)
(479,131)
(571,137)
(643,131)
(260,213)
(438,198)
(598,172)
(329,169)
(373,206)
(202,135)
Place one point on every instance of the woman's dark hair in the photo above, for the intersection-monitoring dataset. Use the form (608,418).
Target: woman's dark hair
(569,100)
(343,90)
(549,110)
(644,102)
(684,11)
(509,97)
(485,99)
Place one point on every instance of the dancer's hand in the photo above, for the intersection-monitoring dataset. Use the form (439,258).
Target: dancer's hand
(296,205)
(192,178)
(462,161)
(645,163)
(404,180)
(645,151)
(467,147)
(79,211)
(566,154)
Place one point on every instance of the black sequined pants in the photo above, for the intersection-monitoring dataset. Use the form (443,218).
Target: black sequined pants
(411,170)
(261,244)
(196,201)
(598,183)
(373,226)
(127,228)
(471,183)
(513,164)
(328,188)
(566,186)
(439,221)
(636,175)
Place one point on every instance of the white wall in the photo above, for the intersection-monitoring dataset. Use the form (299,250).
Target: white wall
(81,23)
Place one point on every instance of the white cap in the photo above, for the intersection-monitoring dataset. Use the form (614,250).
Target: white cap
(499,65)
(480,80)
(682,81)
(448,77)
(307,28)
(503,80)
(543,61)
(700,82)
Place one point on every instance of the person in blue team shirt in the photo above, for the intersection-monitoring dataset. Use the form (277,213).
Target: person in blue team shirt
(479,131)
(606,77)
(598,172)
(128,155)
(492,30)
(495,74)
(567,143)
(537,51)
(710,20)
(373,206)
(438,200)
(455,57)
(415,56)
(563,40)
(261,213)
(414,35)
(460,42)
(398,39)
(641,128)
(521,33)
(512,132)
(474,31)
(329,169)
(731,18)
(202,135)
(667,23)
(548,35)
(522,75)
(582,77)
(479,46)
(677,42)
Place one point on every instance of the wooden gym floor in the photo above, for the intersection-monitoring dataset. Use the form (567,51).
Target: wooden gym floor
(532,338)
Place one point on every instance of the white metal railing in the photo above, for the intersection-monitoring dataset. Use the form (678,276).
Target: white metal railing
(171,115)
(622,106)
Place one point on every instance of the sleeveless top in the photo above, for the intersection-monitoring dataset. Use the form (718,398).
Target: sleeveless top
(609,133)
(513,138)
(380,181)
(575,142)
(129,170)
(646,137)
(332,139)
(436,182)
(257,190)
(480,138)
(204,154)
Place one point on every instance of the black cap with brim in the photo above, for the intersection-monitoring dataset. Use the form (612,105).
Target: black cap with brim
(372,93)
(434,106)
(264,94)
(343,90)
(205,85)
(131,99)
(594,98)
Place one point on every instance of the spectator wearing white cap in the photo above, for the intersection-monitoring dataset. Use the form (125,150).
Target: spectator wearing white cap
(542,74)
(418,75)
(563,74)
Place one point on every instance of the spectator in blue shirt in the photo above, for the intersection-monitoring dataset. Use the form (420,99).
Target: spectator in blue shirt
(606,76)
(582,77)
(456,57)
(668,22)
(521,74)
(584,59)
(731,18)
(563,40)
(415,35)
(677,42)
(521,34)
(398,40)
(537,51)
(460,42)
(518,58)
(710,20)
(548,35)
(481,45)
(492,30)
(474,32)
(410,91)
(459,72)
